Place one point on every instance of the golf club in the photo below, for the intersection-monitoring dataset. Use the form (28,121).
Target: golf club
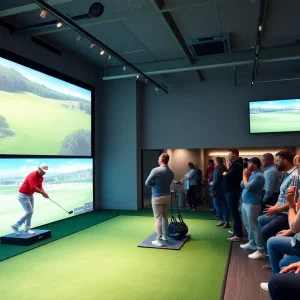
(69,212)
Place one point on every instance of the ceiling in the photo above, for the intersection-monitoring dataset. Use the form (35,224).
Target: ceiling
(151,33)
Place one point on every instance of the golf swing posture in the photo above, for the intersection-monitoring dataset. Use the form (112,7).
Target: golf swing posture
(32,184)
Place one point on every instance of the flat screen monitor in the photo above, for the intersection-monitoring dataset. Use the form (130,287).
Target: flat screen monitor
(274,116)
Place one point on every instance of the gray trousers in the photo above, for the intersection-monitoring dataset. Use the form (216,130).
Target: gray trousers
(250,213)
(160,210)
(27,202)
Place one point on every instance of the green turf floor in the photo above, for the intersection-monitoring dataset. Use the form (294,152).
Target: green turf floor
(72,225)
(104,262)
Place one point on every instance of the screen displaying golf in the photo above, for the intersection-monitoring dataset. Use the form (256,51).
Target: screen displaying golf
(67,185)
(42,115)
(274,116)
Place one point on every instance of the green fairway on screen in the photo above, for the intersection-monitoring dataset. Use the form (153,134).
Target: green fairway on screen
(42,115)
(69,183)
(274,116)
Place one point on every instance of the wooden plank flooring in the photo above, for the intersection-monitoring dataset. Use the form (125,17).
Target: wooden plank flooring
(245,275)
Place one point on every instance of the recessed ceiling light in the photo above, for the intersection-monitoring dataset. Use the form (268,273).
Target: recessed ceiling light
(59,24)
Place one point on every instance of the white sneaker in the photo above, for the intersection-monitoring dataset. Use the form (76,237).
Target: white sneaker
(157,243)
(29,231)
(15,229)
(257,255)
(248,247)
(165,237)
(265,286)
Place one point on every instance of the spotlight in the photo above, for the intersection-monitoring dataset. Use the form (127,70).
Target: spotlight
(43,13)
(260,28)
(92,46)
(146,80)
(156,89)
(124,68)
(138,75)
(79,38)
(109,57)
(252,83)
(59,24)
(102,52)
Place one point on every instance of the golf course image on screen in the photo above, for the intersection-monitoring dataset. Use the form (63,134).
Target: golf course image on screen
(274,116)
(69,182)
(42,115)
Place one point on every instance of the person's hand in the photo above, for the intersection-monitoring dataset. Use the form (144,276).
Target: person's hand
(290,196)
(292,267)
(286,232)
(224,173)
(45,195)
(246,172)
(270,210)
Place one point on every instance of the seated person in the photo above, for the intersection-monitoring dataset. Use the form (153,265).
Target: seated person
(285,244)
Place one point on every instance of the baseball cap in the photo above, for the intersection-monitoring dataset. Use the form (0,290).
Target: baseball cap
(256,161)
(44,168)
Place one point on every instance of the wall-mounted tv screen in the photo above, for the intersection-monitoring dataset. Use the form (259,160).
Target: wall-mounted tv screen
(274,116)
(41,114)
(69,182)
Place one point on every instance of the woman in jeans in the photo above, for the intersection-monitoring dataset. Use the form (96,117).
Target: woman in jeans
(191,176)
(282,244)
(218,194)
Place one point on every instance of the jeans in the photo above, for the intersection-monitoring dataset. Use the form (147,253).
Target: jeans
(221,204)
(285,286)
(192,196)
(233,199)
(27,202)
(270,201)
(270,226)
(250,213)
(277,247)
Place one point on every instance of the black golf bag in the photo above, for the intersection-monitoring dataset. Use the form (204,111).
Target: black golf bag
(177,228)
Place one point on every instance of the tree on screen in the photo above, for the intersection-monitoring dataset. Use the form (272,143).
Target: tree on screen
(4,128)
(77,143)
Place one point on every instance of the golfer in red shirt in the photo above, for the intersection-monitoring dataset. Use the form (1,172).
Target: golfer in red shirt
(32,184)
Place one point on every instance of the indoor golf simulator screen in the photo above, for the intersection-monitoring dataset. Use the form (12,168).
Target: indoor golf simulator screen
(42,115)
(69,182)
(274,116)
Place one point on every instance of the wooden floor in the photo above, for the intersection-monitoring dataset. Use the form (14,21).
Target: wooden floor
(245,275)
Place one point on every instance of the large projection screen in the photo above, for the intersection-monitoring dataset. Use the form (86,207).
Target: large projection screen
(41,115)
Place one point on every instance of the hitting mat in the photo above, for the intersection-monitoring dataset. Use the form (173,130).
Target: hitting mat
(169,245)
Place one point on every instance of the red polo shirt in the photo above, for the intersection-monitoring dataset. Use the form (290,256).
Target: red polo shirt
(33,180)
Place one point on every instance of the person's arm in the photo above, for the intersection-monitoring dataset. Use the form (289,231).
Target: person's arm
(41,191)
(150,180)
(230,171)
(246,175)
(253,184)
(37,188)
(272,179)
(294,218)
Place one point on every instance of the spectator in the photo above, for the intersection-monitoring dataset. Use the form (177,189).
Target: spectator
(160,180)
(290,246)
(275,218)
(231,184)
(217,192)
(245,163)
(252,185)
(271,189)
(209,171)
(191,176)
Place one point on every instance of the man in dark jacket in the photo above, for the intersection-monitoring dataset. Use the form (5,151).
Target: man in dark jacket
(231,184)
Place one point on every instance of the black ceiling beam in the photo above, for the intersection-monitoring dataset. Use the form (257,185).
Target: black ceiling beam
(177,33)
(260,27)
(68,21)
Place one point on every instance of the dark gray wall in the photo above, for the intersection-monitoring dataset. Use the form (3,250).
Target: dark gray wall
(211,114)
(118,149)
